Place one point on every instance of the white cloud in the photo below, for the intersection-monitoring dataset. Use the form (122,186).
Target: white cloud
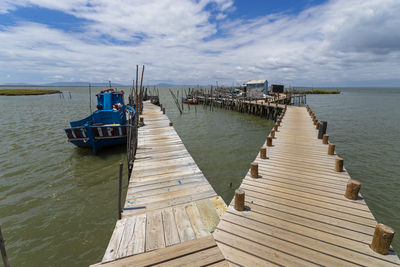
(337,41)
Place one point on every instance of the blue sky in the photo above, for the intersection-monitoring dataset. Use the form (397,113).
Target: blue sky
(303,42)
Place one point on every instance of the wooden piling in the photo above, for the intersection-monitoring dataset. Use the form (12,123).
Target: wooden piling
(269,141)
(317,126)
(121,165)
(272,134)
(171,123)
(141,119)
(163,111)
(331,149)
(352,189)
(338,164)
(325,138)
(276,127)
(382,239)
(254,170)
(239,199)
(263,152)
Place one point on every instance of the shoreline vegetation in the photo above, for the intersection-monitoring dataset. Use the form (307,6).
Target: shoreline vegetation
(317,92)
(17,92)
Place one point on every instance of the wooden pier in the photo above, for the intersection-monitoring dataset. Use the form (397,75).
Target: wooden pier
(290,210)
(295,211)
(170,208)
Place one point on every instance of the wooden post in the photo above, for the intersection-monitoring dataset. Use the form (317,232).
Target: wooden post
(325,138)
(161,107)
(278,122)
(338,164)
(383,236)
(239,199)
(141,119)
(272,133)
(322,129)
(254,170)
(121,165)
(170,123)
(331,149)
(276,127)
(3,250)
(269,141)
(263,152)
(317,126)
(352,189)
(163,111)
(315,121)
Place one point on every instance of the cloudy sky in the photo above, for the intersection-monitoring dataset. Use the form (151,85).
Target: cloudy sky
(295,42)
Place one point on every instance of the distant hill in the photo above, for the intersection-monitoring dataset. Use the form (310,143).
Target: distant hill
(81,84)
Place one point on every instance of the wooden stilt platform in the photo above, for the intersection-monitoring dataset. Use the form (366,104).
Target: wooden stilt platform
(295,212)
(170,208)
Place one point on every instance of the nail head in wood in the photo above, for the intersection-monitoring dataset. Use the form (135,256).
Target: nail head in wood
(269,140)
(338,164)
(263,152)
(382,239)
(331,149)
(352,189)
(325,138)
(254,170)
(239,199)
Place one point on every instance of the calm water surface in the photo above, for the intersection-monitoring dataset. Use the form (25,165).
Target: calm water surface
(58,202)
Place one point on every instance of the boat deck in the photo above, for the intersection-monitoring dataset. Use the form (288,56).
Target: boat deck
(296,213)
(170,206)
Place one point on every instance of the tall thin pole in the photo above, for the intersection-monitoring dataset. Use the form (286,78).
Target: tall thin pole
(3,251)
(121,165)
(90,98)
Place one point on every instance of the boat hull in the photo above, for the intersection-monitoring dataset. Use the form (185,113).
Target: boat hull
(97,137)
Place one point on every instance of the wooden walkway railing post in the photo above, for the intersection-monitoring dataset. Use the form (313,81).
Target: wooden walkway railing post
(121,165)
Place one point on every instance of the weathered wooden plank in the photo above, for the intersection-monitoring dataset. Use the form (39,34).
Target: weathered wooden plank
(113,244)
(125,247)
(170,230)
(139,239)
(154,231)
(162,255)
(194,217)
(183,224)
(208,214)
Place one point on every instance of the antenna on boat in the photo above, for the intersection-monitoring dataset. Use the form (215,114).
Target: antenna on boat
(109,83)
(90,98)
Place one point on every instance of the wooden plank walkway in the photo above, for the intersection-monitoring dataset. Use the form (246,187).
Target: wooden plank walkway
(169,203)
(296,213)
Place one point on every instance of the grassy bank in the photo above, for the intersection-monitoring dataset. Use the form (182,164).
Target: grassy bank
(10,92)
(316,92)
(323,92)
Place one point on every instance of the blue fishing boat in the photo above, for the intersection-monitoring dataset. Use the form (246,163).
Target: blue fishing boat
(107,126)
